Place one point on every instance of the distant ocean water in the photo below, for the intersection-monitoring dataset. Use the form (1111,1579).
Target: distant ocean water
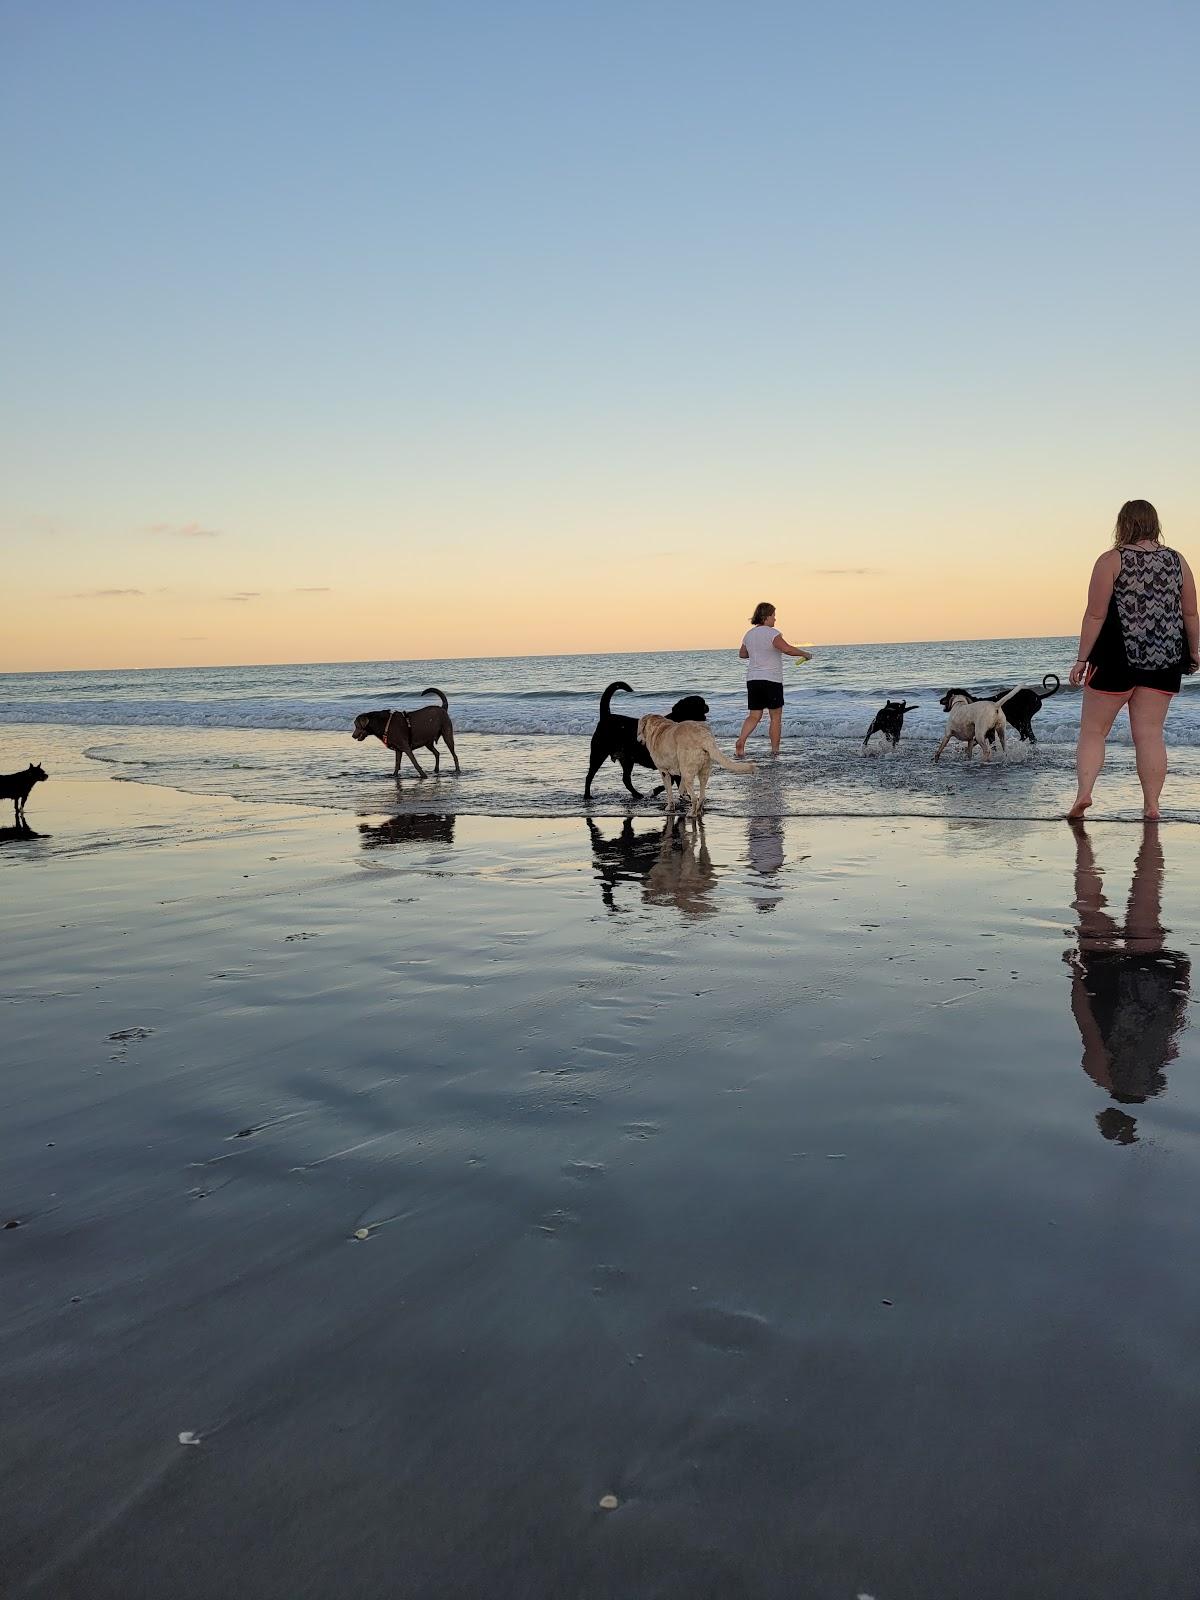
(282,732)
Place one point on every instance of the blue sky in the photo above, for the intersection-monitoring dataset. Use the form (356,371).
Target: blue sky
(543,292)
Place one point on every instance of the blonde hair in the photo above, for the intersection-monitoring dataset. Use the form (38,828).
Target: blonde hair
(762,611)
(1137,519)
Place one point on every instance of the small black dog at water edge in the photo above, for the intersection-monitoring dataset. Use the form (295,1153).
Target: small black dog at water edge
(15,786)
(889,721)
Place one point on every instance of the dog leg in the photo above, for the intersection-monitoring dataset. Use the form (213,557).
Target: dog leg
(627,776)
(937,754)
(705,774)
(595,761)
(668,789)
(448,736)
(686,789)
(412,756)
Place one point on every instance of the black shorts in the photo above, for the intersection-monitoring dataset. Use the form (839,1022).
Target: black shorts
(1116,678)
(763,694)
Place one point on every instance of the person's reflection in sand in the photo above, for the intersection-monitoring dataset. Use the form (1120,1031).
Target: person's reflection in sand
(1129,994)
(764,841)
(671,863)
(423,827)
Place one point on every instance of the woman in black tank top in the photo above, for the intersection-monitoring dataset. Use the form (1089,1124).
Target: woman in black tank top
(1140,633)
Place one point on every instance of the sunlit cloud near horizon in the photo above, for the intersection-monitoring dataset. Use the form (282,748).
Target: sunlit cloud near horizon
(470,330)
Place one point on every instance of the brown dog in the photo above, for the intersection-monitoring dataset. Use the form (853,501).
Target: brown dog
(405,732)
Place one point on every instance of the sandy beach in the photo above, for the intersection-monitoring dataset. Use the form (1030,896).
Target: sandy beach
(433,1179)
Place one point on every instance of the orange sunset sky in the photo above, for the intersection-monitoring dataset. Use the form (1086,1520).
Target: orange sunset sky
(583,331)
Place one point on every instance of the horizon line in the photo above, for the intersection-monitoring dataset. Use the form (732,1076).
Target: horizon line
(551,655)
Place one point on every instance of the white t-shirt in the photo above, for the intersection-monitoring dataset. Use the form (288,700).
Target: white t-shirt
(765,661)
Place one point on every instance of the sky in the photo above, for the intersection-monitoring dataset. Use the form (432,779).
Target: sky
(382,330)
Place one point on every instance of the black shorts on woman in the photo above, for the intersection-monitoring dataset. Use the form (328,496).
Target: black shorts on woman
(1141,644)
(763,694)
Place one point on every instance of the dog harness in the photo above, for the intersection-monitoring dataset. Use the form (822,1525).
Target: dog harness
(387,727)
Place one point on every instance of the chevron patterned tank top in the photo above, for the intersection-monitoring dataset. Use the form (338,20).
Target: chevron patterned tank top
(1148,596)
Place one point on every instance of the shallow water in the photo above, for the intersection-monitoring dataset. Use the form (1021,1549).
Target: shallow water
(281,734)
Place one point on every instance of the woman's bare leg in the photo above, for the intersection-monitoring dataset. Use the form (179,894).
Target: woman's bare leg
(753,718)
(1147,713)
(775,717)
(1097,717)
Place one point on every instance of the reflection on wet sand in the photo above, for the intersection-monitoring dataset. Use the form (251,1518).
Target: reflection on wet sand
(417,827)
(670,862)
(21,832)
(1129,993)
(764,846)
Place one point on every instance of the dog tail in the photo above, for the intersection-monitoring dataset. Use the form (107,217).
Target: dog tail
(742,768)
(1046,685)
(441,697)
(608,694)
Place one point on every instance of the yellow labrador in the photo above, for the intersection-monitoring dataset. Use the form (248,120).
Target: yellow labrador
(689,750)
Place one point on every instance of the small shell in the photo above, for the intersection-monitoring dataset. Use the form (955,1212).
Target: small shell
(609,1502)
(362,1233)
(189,1437)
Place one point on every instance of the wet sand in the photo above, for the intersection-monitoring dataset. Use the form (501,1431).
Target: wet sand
(785,1181)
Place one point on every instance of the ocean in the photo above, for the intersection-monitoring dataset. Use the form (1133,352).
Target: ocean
(282,733)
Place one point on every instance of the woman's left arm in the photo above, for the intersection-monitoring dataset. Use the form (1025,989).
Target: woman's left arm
(1191,617)
(744,653)
(781,643)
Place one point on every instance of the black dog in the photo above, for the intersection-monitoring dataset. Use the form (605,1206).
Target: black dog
(1020,706)
(889,721)
(615,738)
(15,786)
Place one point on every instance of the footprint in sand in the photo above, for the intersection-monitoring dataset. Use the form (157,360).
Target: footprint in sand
(583,1171)
(734,1332)
(555,1221)
(609,1279)
(641,1130)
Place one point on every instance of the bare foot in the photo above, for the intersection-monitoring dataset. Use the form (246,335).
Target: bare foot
(1151,814)
(1080,806)
(739,751)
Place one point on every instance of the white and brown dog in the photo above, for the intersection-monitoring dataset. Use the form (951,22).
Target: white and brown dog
(976,721)
(686,748)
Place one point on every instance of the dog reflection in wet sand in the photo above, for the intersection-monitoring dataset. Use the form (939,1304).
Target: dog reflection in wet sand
(671,863)
(1129,993)
(423,827)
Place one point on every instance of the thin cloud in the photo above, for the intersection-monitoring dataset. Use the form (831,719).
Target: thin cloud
(847,572)
(184,530)
(246,594)
(193,638)
(318,589)
(106,594)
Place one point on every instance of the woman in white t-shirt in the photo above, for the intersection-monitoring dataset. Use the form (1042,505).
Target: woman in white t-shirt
(763,650)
